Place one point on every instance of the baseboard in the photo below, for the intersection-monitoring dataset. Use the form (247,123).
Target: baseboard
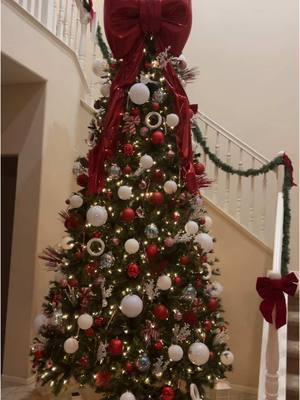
(15,380)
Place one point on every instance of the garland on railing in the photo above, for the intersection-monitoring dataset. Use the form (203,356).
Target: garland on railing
(103,46)
(288,182)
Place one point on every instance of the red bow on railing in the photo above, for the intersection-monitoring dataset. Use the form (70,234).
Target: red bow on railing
(127,24)
(288,163)
(272,291)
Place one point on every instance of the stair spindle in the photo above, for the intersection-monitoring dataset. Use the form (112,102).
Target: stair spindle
(216,169)
(252,198)
(84,20)
(38,10)
(239,190)
(72,22)
(60,20)
(205,138)
(227,183)
(31,7)
(76,36)
(263,211)
(66,23)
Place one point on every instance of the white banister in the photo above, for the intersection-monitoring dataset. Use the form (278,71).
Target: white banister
(60,20)
(66,23)
(272,375)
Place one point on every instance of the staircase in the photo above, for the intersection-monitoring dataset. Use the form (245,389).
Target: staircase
(250,203)
(292,392)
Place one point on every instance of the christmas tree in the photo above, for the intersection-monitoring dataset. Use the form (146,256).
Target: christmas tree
(134,311)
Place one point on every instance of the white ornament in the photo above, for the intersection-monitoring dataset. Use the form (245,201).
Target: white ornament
(205,241)
(175,352)
(172,120)
(208,222)
(71,345)
(132,246)
(194,392)
(153,120)
(96,215)
(39,321)
(139,93)
(100,245)
(191,228)
(99,67)
(76,201)
(227,357)
(131,305)
(170,187)
(127,396)
(105,89)
(164,282)
(215,289)
(125,192)
(146,161)
(198,353)
(208,272)
(67,243)
(85,321)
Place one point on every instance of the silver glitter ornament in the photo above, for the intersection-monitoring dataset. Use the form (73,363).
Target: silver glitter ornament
(159,96)
(107,260)
(143,363)
(151,231)
(114,171)
(189,293)
(140,212)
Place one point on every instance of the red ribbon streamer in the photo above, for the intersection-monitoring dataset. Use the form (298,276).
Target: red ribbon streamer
(127,24)
(272,291)
(288,163)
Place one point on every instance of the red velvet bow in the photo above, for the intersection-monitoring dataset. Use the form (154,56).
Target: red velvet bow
(272,291)
(127,24)
(288,163)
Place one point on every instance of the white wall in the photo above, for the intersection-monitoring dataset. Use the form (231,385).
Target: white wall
(247,53)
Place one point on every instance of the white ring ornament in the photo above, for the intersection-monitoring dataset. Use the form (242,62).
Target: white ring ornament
(148,120)
(194,392)
(90,244)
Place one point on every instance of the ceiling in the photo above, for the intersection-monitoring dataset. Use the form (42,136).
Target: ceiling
(13,73)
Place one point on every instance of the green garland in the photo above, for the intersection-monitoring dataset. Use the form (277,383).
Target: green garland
(103,46)
(271,166)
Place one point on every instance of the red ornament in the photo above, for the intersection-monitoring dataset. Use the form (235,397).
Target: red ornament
(127,214)
(89,332)
(157,137)
(103,379)
(202,221)
(38,354)
(178,280)
(128,149)
(133,270)
(82,180)
(157,198)
(184,260)
(135,111)
(158,176)
(161,312)
(109,194)
(212,355)
(207,325)
(115,347)
(190,317)
(97,235)
(73,282)
(127,170)
(91,268)
(213,304)
(99,321)
(155,106)
(129,367)
(158,345)
(84,361)
(73,222)
(199,284)
(78,255)
(199,168)
(151,250)
(167,393)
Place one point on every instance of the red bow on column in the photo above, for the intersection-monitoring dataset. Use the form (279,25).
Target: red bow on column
(127,24)
(272,291)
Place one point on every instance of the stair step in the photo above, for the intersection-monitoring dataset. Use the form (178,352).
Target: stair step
(293,348)
(293,317)
(292,382)
(293,365)
(293,303)
(292,395)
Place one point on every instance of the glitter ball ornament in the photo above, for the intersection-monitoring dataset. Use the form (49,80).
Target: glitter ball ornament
(71,345)
(146,161)
(215,289)
(159,96)
(157,137)
(82,180)
(175,352)
(164,282)
(127,396)
(132,246)
(198,353)
(208,222)
(127,214)
(177,280)
(133,270)
(205,241)
(125,192)
(207,325)
(172,120)
(167,393)
(151,231)
(127,170)
(169,242)
(191,227)
(131,306)
(189,293)
(128,367)
(144,131)
(115,347)
(143,363)
(161,312)
(170,187)
(96,215)
(85,321)
(227,357)
(184,260)
(212,304)
(39,321)
(151,250)
(107,260)
(158,345)
(77,168)
(114,171)
(75,201)
(128,149)
(157,198)
(139,93)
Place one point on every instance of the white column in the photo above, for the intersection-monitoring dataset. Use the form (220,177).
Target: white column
(84,20)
